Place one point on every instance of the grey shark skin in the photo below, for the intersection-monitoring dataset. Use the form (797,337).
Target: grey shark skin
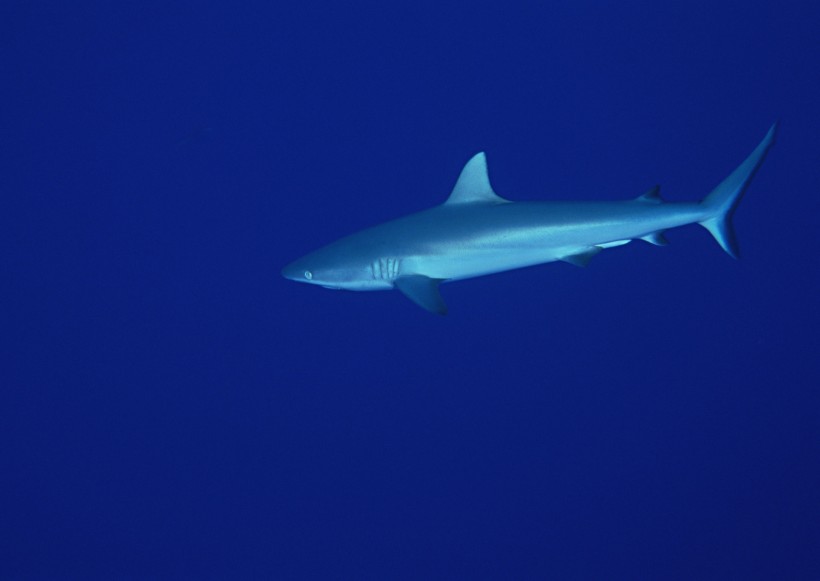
(476,232)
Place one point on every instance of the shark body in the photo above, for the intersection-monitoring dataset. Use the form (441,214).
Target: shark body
(476,232)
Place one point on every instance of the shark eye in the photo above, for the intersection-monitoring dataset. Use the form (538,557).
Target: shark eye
(308,275)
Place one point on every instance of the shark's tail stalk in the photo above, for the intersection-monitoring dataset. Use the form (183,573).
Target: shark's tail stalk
(724,199)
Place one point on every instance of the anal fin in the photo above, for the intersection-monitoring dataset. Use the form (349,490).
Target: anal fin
(656,238)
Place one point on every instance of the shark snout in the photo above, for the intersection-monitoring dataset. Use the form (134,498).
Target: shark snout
(293,272)
(298,271)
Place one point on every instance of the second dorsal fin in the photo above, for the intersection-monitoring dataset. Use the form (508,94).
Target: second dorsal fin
(652,196)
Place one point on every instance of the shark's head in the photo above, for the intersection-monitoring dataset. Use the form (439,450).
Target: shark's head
(333,267)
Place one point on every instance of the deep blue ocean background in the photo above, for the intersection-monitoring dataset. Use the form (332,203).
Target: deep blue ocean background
(171,407)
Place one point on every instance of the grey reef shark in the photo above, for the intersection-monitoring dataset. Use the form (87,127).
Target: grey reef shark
(477,232)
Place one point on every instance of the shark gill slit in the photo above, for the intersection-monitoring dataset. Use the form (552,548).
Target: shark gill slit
(385,268)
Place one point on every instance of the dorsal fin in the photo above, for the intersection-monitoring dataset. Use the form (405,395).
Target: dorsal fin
(473,185)
(653,196)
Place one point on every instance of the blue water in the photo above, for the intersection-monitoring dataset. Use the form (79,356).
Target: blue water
(170,407)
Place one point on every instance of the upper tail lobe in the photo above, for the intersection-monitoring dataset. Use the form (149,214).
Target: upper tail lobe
(724,199)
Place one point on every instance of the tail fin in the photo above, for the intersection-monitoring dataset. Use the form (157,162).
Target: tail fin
(723,200)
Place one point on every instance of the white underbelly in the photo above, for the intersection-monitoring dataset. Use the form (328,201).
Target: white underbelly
(463,265)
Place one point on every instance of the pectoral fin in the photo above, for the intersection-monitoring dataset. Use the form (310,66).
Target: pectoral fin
(423,291)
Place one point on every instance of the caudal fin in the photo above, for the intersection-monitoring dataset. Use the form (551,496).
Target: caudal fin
(723,200)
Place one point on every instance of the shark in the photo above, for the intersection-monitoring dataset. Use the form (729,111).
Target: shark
(476,232)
